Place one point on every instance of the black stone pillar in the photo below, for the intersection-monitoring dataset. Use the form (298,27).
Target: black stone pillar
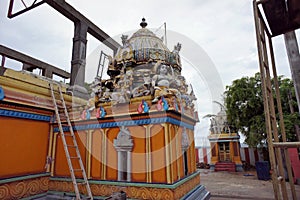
(79,54)
(79,60)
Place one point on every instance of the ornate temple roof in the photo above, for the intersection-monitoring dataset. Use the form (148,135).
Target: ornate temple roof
(146,77)
(145,47)
(144,38)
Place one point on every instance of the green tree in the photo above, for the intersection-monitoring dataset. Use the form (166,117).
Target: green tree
(245,111)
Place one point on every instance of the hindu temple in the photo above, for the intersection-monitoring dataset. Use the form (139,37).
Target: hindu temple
(134,137)
(224,144)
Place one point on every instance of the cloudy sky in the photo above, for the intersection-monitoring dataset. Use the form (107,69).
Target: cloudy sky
(218,38)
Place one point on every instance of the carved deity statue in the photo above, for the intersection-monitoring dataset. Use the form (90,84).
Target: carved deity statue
(122,91)
(162,81)
(146,88)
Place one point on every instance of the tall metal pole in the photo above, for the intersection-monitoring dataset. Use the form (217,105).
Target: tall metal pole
(297,129)
(294,60)
(165,25)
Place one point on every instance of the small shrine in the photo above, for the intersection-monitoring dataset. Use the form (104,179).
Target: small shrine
(224,144)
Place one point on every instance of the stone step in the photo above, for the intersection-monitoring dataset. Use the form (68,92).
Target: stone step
(225,166)
(224,170)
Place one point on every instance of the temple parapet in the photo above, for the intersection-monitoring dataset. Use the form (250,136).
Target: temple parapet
(145,76)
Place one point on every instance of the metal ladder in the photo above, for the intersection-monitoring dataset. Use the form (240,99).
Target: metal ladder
(73,145)
(101,65)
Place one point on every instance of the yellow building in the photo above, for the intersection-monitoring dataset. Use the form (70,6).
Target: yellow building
(225,145)
(137,136)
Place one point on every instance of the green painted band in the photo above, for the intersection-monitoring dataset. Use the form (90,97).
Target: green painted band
(21,178)
(126,184)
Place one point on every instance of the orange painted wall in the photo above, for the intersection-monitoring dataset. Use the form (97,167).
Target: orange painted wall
(61,165)
(158,154)
(23,146)
(96,154)
(138,154)
(174,146)
(111,154)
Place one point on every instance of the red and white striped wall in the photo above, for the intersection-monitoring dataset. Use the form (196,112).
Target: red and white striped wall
(203,154)
(250,155)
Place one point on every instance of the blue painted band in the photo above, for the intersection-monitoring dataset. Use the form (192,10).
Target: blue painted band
(1,93)
(24,115)
(127,123)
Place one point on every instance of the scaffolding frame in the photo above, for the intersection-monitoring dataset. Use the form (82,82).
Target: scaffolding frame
(275,147)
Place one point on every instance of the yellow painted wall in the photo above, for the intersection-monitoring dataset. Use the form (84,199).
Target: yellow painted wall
(23,146)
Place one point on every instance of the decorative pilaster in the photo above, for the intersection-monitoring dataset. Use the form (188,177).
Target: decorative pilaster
(103,153)
(148,153)
(184,140)
(123,145)
(177,150)
(184,146)
(54,152)
(171,151)
(167,149)
(89,152)
(49,155)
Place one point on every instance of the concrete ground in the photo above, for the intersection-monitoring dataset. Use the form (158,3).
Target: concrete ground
(239,185)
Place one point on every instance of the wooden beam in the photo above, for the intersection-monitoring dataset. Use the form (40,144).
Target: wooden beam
(286,144)
(35,63)
(71,13)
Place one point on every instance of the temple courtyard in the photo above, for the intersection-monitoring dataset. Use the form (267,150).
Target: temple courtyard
(238,185)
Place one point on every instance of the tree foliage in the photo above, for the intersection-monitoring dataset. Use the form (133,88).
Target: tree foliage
(245,109)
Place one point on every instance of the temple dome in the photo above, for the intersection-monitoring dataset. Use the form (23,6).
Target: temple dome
(146,39)
(145,47)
